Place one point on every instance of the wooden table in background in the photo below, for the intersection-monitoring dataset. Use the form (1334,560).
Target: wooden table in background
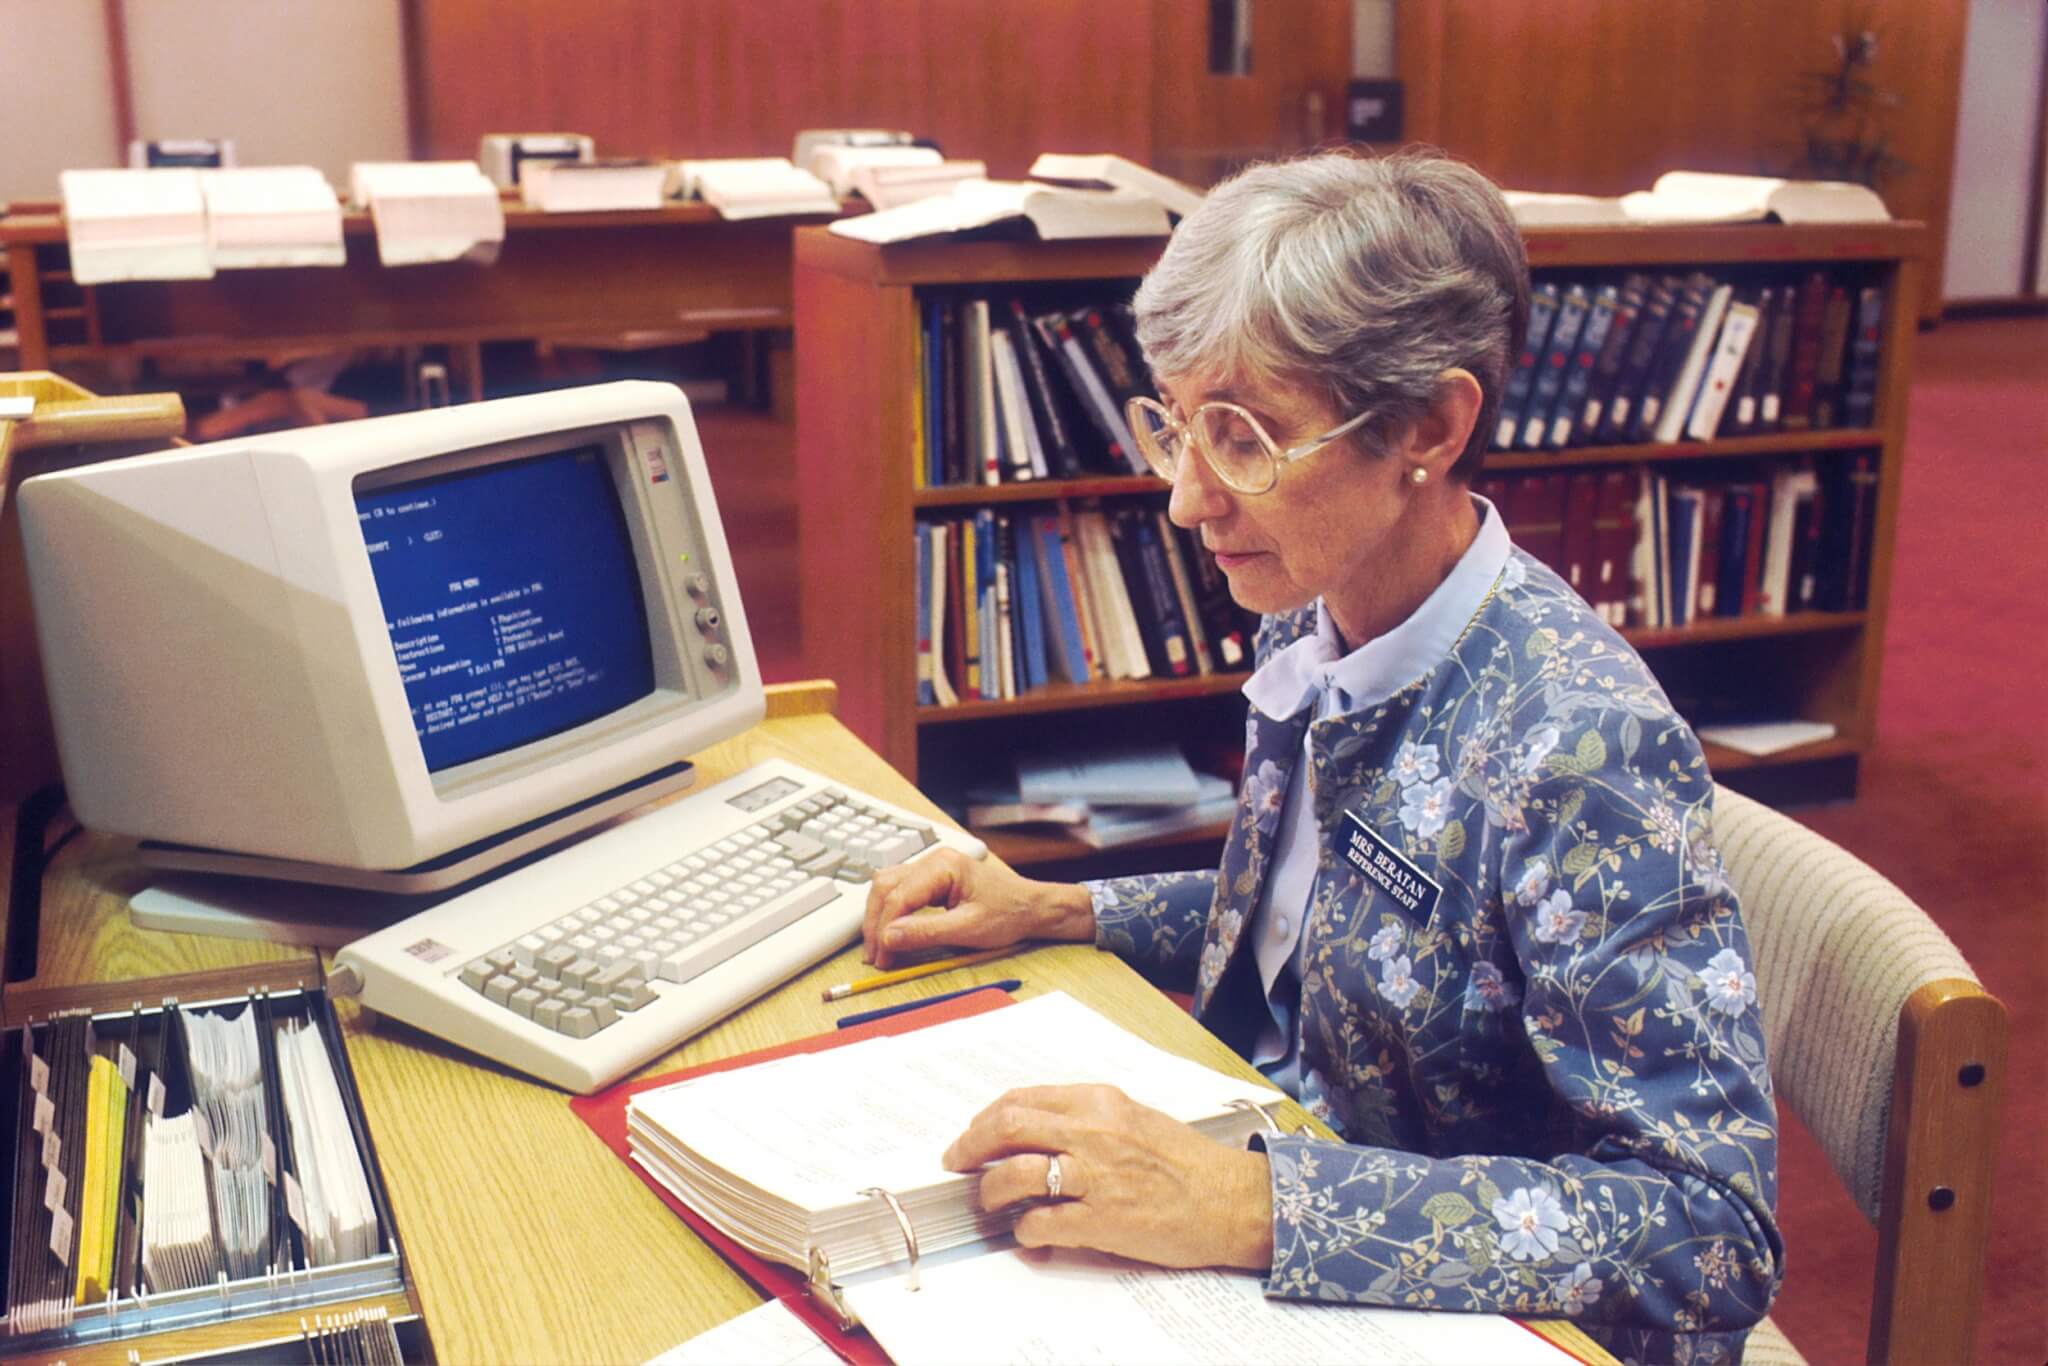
(622,279)
(524,1238)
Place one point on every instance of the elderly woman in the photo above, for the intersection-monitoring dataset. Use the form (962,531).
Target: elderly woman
(1470,912)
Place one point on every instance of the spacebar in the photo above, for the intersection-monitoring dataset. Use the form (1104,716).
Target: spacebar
(744,933)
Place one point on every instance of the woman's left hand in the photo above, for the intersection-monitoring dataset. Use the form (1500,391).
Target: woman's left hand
(1133,1181)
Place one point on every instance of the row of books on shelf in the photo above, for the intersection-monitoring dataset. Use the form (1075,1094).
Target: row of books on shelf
(1692,358)
(1009,393)
(1009,601)
(1652,551)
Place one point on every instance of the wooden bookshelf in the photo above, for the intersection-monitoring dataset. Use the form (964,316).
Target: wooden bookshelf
(857,325)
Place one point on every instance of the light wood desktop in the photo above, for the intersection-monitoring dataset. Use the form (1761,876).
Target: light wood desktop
(525,1239)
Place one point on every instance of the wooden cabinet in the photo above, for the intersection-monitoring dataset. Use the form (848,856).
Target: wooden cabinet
(857,321)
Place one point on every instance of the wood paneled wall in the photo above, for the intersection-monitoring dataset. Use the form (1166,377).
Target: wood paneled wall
(1600,96)
(1001,80)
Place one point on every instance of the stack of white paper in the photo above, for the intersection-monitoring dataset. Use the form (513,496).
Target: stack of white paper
(429,211)
(177,1232)
(329,1198)
(754,187)
(227,1095)
(271,216)
(592,186)
(885,187)
(135,225)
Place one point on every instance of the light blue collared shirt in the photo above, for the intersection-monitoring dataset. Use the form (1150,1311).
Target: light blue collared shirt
(1310,673)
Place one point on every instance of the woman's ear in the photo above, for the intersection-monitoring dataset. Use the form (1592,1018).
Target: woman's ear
(1438,437)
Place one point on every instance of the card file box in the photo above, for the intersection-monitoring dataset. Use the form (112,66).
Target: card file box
(147,1043)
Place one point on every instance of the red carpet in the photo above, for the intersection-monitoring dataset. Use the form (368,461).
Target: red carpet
(1953,805)
(1954,798)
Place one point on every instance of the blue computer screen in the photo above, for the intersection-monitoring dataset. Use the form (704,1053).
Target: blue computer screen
(512,599)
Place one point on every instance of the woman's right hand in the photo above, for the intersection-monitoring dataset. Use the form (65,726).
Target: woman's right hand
(982,906)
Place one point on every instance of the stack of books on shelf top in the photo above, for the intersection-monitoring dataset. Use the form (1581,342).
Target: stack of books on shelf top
(1009,602)
(1103,797)
(1693,358)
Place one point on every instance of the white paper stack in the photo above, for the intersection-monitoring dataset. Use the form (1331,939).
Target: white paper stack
(271,216)
(135,225)
(592,186)
(885,187)
(329,1198)
(177,1232)
(227,1097)
(754,187)
(428,211)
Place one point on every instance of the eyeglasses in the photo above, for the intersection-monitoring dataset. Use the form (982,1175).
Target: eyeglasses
(1240,450)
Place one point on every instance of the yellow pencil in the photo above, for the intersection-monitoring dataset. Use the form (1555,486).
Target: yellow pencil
(910,974)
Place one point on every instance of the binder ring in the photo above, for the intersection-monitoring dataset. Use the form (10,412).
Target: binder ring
(1273,1129)
(902,1222)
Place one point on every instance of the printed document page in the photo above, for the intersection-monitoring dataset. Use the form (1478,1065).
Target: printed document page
(1088,1310)
(767,1335)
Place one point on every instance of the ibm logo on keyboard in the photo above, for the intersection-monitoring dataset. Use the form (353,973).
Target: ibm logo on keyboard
(429,950)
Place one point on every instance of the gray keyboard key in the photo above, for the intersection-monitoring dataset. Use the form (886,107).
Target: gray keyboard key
(577,1022)
(524,1000)
(602,1010)
(632,994)
(500,988)
(554,961)
(746,932)
(474,975)
(548,1014)
(579,973)
(892,851)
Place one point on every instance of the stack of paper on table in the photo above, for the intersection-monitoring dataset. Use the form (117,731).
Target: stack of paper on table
(259,216)
(1054,211)
(835,163)
(593,186)
(1119,173)
(780,1156)
(428,211)
(753,187)
(885,187)
(1768,737)
(135,225)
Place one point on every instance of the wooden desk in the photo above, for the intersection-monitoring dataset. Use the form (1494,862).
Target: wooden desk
(628,277)
(524,1238)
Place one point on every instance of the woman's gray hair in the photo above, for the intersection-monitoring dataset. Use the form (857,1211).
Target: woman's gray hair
(1368,277)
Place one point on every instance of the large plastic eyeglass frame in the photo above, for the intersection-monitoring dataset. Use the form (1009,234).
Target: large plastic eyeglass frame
(1165,463)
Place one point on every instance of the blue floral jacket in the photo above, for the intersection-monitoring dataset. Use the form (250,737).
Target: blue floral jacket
(1526,1000)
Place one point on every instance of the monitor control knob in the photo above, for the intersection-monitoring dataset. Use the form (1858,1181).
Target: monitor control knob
(707,619)
(716,655)
(698,586)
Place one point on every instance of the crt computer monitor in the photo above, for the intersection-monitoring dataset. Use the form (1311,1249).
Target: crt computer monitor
(392,653)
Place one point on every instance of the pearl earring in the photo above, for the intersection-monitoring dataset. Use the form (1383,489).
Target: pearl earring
(1418,475)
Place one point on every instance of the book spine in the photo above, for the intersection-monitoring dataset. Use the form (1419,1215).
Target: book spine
(945,621)
(1628,307)
(1068,658)
(1685,387)
(1811,316)
(923,442)
(1557,357)
(1671,355)
(1738,520)
(985,432)
(1614,539)
(1130,564)
(1173,631)
(1706,578)
(1059,444)
(1105,572)
(1515,393)
(1118,373)
(1778,542)
(1184,593)
(1739,418)
(1578,381)
(1581,511)
(1834,341)
(927,693)
(1121,450)
(1093,650)
(1770,396)
(1031,612)
(1738,327)
(970,601)
(1618,423)
(1022,459)
(1859,402)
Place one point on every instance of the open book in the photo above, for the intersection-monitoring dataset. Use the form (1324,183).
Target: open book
(1705,197)
(1054,211)
(1118,173)
(791,1158)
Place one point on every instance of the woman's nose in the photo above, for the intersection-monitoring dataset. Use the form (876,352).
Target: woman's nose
(1197,496)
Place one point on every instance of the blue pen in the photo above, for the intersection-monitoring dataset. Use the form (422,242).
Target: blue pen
(882,1012)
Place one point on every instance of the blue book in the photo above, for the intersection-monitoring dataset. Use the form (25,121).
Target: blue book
(991,631)
(926,695)
(1030,616)
(1515,394)
(1557,359)
(1069,655)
